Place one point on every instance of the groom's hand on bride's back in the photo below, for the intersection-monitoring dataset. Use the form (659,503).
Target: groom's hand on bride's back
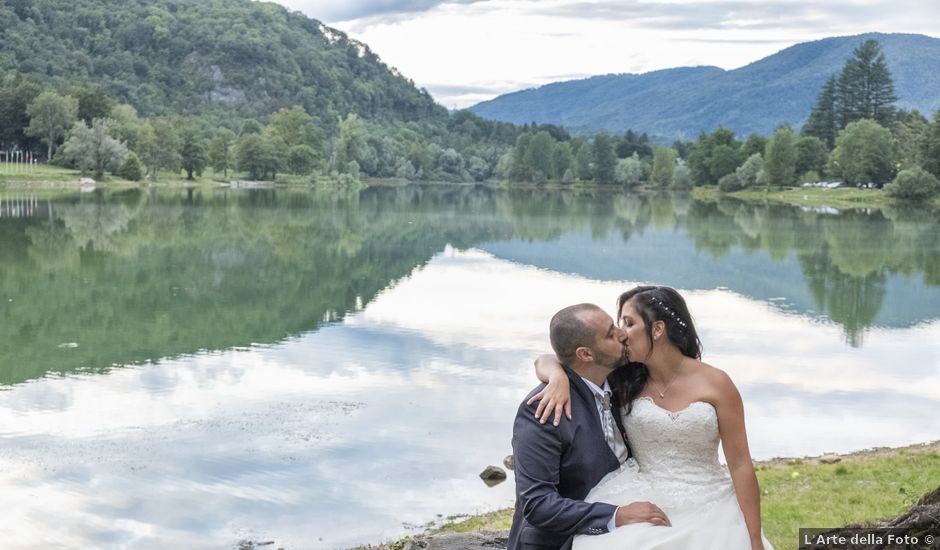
(641,512)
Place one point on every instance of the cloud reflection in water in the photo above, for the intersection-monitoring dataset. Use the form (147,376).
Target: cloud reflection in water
(339,436)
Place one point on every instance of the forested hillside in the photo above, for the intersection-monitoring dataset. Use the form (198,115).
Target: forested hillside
(757,98)
(148,86)
(190,57)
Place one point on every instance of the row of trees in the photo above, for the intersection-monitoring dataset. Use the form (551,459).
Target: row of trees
(854,135)
(101,136)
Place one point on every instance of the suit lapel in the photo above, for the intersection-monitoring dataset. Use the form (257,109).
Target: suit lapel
(578,386)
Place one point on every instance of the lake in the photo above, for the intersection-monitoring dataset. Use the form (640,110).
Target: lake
(330,368)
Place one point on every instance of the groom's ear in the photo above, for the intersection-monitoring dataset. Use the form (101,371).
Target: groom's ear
(585,355)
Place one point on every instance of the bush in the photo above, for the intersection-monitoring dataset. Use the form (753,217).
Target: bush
(913,184)
(729,183)
(682,177)
(748,172)
(629,171)
(810,177)
(131,169)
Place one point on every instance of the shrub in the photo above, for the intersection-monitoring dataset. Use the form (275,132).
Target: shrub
(913,184)
(747,173)
(729,183)
(682,177)
(131,169)
(810,177)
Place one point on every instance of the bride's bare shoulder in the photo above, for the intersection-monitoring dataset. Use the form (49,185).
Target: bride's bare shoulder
(717,381)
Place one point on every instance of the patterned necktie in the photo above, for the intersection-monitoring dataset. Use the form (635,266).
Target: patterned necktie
(611,431)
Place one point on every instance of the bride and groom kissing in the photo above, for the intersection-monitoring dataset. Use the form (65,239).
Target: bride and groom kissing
(630,461)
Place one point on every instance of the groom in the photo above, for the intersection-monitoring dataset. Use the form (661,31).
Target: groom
(556,466)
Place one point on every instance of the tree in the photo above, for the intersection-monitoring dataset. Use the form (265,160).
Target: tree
(723,161)
(519,169)
(605,160)
(713,156)
(50,117)
(92,103)
(582,158)
(780,157)
(753,144)
(865,88)
(126,125)
(93,148)
(664,164)
(131,168)
(914,184)
(295,127)
(911,131)
(251,126)
(220,151)
(562,159)
(930,149)
(539,156)
(478,168)
(682,177)
(159,146)
(748,174)
(823,120)
(256,155)
(864,153)
(350,143)
(16,94)
(629,171)
(193,145)
(811,155)
(301,159)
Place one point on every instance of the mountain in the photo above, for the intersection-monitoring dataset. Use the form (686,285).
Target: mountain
(681,102)
(193,57)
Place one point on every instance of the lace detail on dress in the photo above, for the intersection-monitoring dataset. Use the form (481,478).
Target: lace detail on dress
(675,453)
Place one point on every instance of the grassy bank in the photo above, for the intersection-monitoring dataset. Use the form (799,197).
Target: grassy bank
(861,487)
(845,197)
(45,178)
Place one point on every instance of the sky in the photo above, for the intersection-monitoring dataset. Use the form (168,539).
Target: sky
(467,51)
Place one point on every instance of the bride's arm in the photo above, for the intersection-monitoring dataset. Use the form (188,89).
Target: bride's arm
(556,395)
(730,409)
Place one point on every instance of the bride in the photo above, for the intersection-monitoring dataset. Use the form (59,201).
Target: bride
(677,411)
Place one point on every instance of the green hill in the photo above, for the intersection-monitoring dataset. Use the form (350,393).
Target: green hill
(681,102)
(194,57)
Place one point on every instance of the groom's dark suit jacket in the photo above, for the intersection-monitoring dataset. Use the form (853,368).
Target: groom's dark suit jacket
(555,468)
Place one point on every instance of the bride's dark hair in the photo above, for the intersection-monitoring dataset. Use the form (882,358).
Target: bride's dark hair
(654,303)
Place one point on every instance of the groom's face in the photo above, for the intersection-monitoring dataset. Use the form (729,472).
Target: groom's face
(609,347)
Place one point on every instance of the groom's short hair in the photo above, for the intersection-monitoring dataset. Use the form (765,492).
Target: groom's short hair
(569,331)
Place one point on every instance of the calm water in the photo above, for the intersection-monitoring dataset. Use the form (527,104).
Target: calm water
(323,369)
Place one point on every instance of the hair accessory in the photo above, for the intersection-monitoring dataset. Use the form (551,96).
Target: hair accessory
(672,314)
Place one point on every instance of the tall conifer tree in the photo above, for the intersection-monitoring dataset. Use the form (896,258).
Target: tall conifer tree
(865,88)
(823,121)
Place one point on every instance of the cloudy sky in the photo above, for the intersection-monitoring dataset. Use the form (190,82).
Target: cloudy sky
(466,51)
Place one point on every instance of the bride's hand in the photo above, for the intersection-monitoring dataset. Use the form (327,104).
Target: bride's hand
(757,544)
(555,398)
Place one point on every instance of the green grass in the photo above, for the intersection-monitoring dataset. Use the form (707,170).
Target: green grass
(44,176)
(491,521)
(797,493)
(847,197)
(833,495)
(37,173)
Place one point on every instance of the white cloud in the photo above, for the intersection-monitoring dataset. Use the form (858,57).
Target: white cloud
(467,51)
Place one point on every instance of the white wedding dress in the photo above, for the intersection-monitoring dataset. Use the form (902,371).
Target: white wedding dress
(675,466)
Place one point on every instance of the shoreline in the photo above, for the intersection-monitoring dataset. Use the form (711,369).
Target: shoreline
(489,530)
(840,199)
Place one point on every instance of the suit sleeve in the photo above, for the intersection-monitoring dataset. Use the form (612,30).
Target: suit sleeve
(537,451)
